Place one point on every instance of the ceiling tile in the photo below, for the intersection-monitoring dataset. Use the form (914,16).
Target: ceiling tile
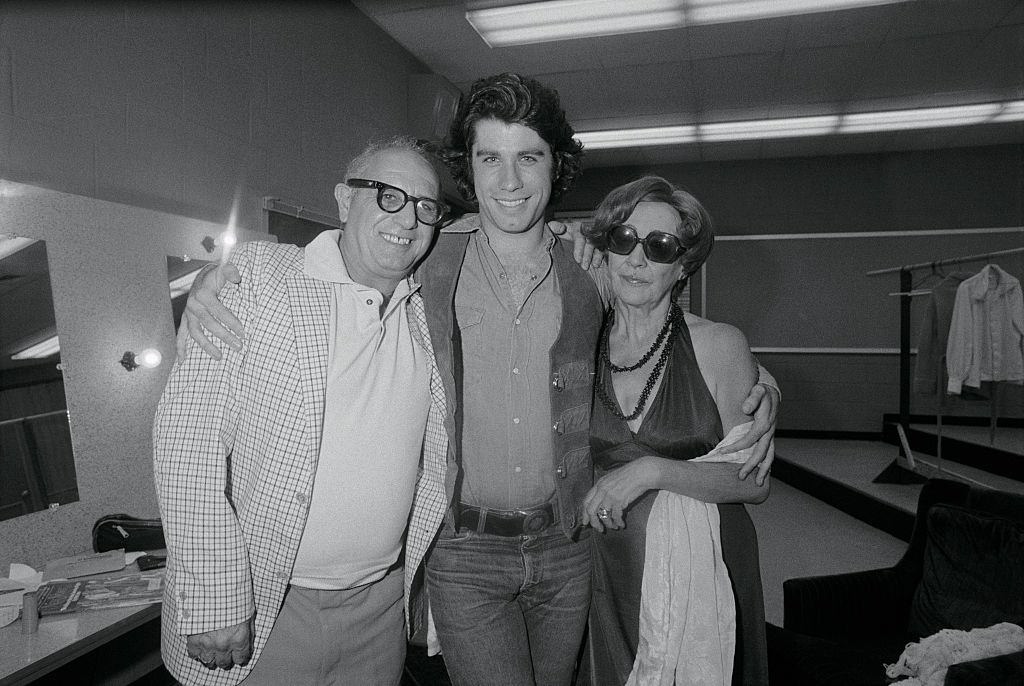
(743,38)
(646,48)
(864,25)
(735,82)
(918,65)
(651,89)
(825,74)
(932,18)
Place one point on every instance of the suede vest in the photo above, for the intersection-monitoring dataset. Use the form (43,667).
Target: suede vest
(571,372)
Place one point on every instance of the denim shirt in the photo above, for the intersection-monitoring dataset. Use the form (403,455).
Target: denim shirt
(569,373)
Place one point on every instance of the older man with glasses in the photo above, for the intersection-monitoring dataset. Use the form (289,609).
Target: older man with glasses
(289,470)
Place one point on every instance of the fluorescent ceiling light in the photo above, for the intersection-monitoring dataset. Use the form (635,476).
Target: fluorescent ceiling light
(926,118)
(798,127)
(541,22)
(629,138)
(50,346)
(12,244)
(1011,111)
(724,11)
(768,128)
(182,284)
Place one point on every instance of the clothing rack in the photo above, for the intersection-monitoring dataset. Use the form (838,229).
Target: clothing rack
(905,292)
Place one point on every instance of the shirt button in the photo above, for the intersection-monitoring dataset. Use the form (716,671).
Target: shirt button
(515,420)
(515,370)
(517,321)
(560,472)
(281,574)
(518,469)
(369,301)
(501,275)
(185,614)
(300,498)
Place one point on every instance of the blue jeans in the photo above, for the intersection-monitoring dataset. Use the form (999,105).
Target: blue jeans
(510,611)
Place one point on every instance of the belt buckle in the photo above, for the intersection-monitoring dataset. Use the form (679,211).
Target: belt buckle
(536,521)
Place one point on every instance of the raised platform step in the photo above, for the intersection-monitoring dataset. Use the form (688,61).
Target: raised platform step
(868,508)
(966,444)
(844,474)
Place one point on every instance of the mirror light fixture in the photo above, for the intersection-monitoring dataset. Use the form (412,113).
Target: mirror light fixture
(799,127)
(542,22)
(148,358)
(226,240)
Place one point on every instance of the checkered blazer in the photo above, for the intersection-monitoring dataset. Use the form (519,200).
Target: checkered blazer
(236,444)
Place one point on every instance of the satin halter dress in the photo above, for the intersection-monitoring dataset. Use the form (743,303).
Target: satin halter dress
(681,423)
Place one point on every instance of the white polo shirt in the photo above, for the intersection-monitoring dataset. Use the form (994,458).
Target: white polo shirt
(375,414)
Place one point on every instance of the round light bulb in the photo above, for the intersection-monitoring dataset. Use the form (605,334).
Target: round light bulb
(227,239)
(149,358)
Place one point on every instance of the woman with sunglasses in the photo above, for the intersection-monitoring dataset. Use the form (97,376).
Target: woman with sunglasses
(668,389)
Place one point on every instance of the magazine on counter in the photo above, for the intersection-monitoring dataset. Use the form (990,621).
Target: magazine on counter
(116,590)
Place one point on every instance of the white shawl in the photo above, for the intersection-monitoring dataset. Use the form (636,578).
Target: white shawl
(687,610)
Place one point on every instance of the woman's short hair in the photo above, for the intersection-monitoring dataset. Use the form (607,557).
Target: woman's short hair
(513,99)
(694,227)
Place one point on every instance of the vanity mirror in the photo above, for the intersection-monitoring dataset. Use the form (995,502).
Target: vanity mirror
(36,457)
(180,274)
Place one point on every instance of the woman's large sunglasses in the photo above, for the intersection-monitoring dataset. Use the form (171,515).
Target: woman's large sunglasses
(658,246)
(392,199)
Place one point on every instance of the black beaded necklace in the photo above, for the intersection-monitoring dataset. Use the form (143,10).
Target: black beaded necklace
(649,354)
(613,407)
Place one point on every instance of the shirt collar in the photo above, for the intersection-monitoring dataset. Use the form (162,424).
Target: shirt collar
(323,261)
(470,223)
(978,285)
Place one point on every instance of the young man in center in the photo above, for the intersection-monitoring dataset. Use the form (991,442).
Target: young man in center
(518,320)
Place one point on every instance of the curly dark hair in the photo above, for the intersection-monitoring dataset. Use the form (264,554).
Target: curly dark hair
(513,99)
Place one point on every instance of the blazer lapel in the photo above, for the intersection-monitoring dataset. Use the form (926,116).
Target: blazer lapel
(310,303)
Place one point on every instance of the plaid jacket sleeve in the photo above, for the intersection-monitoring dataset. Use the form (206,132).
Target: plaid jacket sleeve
(193,434)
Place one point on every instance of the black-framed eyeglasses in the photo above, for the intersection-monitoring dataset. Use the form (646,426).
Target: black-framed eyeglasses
(658,246)
(392,199)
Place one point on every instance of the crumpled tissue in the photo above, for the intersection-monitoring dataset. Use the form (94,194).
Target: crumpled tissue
(21,579)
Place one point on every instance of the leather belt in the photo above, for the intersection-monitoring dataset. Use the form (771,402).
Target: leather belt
(506,522)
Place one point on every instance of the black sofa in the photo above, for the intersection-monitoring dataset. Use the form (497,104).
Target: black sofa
(963,568)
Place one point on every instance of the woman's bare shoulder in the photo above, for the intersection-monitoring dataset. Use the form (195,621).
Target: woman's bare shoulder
(720,336)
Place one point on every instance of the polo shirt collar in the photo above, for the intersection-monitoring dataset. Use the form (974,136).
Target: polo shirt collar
(470,223)
(323,261)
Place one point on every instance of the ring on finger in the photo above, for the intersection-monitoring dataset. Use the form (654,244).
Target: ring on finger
(602,513)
